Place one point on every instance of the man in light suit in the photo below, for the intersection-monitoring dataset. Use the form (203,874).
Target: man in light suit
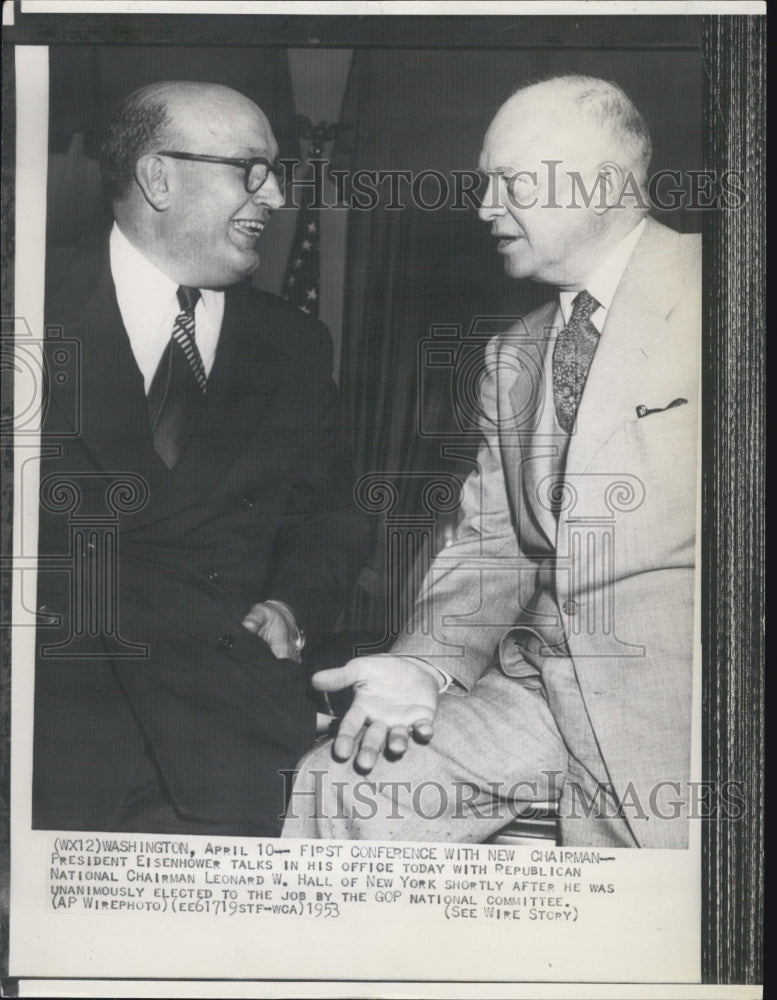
(561,631)
(195,514)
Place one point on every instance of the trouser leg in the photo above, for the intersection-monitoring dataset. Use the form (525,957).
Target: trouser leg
(495,751)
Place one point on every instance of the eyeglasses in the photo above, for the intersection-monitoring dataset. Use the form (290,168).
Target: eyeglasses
(256,169)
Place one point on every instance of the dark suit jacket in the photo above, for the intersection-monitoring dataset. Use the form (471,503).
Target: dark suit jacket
(145,673)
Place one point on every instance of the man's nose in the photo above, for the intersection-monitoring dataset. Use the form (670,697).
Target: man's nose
(269,193)
(491,206)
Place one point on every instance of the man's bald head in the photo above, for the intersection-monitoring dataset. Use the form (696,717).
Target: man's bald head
(166,115)
(566,161)
(582,117)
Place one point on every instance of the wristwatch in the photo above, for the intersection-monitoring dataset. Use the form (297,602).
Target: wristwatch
(297,634)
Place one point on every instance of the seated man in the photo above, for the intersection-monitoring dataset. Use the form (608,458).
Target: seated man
(168,690)
(561,617)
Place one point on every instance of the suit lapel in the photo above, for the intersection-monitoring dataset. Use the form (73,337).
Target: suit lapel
(111,416)
(630,347)
(533,416)
(244,377)
(616,372)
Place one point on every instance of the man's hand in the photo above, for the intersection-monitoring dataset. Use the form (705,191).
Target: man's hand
(393,695)
(269,624)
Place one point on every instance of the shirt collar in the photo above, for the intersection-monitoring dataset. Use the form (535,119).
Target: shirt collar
(145,291)
(132,271)
(148,305)
(603,281)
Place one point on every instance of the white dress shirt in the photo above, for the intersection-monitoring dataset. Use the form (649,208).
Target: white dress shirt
(148,306)
(603,281)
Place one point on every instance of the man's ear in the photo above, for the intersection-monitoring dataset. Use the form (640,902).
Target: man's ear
(152,173)
(609,185)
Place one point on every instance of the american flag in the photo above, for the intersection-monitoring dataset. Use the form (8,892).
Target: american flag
(301,282)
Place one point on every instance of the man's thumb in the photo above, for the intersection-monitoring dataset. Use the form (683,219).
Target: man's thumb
(337,678)
(256,619)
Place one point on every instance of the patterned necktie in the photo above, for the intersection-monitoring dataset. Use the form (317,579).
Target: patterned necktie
(572,357)
(177,392)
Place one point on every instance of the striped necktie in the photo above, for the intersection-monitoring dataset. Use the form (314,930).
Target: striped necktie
(177,393)
(572,356)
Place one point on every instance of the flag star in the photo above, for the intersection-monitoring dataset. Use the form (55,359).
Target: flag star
(306,244)
(311,227)
(305,309)
(291,280)
(297,263)
(312,294)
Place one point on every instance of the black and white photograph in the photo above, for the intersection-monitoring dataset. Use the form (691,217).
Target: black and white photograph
(383,521)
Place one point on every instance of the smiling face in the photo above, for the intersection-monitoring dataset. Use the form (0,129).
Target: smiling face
(529,199)
(210,228)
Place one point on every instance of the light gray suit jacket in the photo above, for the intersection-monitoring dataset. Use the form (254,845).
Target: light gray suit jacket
(618,558)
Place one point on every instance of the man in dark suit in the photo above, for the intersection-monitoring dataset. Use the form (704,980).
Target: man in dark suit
(195,515)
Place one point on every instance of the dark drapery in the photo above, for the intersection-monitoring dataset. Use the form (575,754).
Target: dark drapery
(411,270)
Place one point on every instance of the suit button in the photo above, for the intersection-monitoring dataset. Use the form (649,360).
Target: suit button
(226,641)
(570,607)
(247,503)
(213,576)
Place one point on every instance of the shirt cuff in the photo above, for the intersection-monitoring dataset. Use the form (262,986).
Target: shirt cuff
(443,678)
(296,632)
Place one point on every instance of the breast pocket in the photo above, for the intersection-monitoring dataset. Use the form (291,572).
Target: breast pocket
(663,450)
